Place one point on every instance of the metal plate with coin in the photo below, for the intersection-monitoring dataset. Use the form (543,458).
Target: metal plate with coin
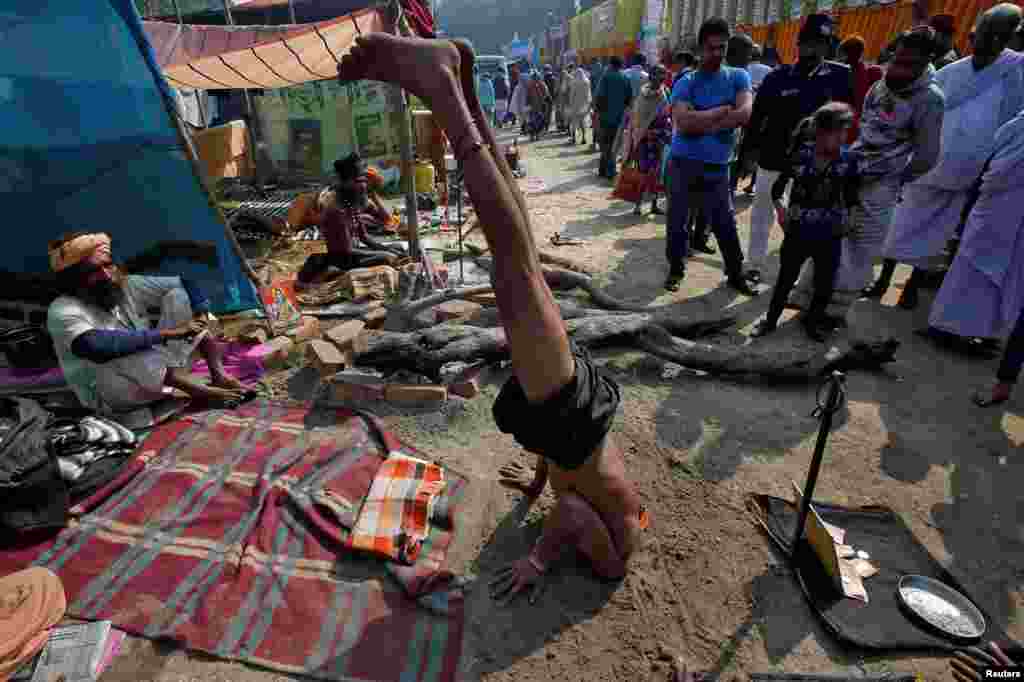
(941,607)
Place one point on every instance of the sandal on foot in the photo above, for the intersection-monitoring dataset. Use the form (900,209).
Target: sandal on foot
(983,399)
(908,299)
(763,328)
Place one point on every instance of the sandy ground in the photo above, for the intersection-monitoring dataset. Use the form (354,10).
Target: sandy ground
(707,586)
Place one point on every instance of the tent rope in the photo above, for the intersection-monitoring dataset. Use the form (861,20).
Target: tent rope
(303,64)
(316,29)
(242,75)
(214,80)
(270,68)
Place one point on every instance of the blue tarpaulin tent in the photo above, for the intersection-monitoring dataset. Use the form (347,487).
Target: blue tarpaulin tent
(88,142)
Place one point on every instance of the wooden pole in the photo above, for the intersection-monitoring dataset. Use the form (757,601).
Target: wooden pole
(403,117)
(251,122)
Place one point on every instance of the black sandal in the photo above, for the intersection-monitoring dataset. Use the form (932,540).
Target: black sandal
(986,400)
(763,328)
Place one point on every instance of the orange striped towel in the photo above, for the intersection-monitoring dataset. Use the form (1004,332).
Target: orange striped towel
(395,517)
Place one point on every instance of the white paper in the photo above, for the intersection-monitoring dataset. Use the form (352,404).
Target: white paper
(74,652)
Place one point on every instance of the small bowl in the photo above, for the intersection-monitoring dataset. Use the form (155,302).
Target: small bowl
(941,608)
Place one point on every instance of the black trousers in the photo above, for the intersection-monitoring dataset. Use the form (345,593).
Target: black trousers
(825,252)
(319,264)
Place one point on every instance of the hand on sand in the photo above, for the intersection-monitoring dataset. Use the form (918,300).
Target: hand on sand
(680,672)
(515,476)
(967,665)
(427,68)
(520,577)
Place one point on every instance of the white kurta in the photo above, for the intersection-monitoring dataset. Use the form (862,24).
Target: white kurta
(983,293)
(977,103)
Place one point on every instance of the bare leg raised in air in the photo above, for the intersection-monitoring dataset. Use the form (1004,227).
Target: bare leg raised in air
(598,511)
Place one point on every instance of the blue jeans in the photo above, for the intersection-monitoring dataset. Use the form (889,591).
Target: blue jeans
(691,187)
(1013,356)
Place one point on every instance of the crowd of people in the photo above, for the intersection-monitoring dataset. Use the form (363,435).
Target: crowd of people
(911,160)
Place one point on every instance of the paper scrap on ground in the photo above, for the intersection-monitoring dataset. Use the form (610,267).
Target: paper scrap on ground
(840,561)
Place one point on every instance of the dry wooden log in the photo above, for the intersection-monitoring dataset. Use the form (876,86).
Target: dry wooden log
(428,350)
(767,365)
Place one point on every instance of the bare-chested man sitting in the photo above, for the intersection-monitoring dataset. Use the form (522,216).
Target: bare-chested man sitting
(345,210)
(557,405)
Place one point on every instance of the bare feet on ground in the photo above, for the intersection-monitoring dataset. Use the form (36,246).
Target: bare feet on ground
(428,69)
(229,382)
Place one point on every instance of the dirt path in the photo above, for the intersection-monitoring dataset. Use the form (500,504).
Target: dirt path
(707,586)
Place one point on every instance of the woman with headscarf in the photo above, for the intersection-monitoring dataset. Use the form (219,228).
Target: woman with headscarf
(578,106)
(646,131)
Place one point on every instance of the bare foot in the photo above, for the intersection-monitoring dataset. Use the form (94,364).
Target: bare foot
(428,69)
(223,380)
(201,392)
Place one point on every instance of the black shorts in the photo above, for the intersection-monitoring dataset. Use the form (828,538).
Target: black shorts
(568,427)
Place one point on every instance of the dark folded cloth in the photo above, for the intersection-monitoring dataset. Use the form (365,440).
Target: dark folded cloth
(568,427)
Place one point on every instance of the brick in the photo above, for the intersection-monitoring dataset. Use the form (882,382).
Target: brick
(276,351)
(465,389)
(327,358)
(360,343)
(309,328)
(355,389)
(408,394)
(377,282)
(342,335)
(375,318)
(452,311)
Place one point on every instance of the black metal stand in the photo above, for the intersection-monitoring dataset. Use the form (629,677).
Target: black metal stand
(834,400)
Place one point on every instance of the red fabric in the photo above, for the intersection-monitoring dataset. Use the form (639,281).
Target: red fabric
(226,533)
(863,78)
(419,17)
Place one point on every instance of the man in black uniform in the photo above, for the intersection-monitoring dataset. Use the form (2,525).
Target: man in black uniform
(788,94)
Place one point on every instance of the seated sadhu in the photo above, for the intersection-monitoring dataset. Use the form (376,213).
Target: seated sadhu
(558,405)
(110,356)
(345,209)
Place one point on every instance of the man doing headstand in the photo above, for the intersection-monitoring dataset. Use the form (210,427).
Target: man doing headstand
(557,404)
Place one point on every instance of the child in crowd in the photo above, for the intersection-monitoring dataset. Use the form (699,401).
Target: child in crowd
(826,181)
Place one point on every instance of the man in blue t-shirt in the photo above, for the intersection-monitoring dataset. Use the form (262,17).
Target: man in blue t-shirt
(708,104)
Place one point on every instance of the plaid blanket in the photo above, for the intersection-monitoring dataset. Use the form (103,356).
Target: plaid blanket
(226,532)
(394,519)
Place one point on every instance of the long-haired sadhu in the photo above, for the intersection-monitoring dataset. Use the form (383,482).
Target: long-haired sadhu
(110,356)
(558,405)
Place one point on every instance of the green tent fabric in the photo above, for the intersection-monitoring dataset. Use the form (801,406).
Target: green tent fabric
(88,143)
